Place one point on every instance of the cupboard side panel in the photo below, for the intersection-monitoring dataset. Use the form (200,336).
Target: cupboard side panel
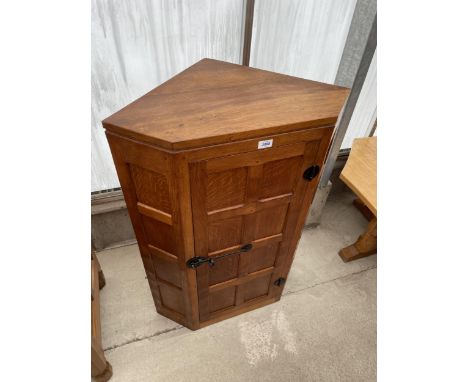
(148,185)
(129,193)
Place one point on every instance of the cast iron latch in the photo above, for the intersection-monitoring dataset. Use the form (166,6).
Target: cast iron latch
(195,262)
(311,172)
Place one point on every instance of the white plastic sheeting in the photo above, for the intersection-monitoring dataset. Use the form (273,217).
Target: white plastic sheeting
(302,38)
(306,38)
(139,44)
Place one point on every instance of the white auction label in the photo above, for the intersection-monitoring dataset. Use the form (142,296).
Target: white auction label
(265,144)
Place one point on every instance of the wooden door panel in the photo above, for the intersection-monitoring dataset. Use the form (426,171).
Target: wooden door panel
(228,269)
(263,257)
(254,158)
(256,288)
(284,169)
(231,182)
(222,299)
(245,199)
(270,221)
(224,234)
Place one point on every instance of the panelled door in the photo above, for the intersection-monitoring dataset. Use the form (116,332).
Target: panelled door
(245,211)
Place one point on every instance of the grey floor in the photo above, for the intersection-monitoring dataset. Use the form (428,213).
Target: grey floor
(323,328)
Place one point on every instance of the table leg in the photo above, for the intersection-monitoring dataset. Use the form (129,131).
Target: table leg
(102,279)
(364,246)
(363,209)
(101,370)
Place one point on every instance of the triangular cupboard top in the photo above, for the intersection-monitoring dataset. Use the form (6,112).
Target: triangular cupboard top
(214,102)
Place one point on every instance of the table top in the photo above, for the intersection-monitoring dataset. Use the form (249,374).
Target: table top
(360,171)
(215,102)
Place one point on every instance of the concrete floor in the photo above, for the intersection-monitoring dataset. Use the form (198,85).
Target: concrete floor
(323,329)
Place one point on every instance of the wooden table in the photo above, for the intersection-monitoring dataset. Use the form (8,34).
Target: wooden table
(360,174)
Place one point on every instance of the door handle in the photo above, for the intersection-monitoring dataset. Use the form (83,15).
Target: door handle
(196,261)
(311,172)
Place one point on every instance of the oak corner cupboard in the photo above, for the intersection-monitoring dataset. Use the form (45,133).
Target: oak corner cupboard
(218,167)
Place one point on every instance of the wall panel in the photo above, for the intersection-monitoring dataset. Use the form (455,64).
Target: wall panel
(356,41)
(138,44)
(365,111)
(302,38)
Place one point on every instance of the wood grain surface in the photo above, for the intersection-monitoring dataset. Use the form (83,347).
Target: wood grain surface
(360,171)
(215,102)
